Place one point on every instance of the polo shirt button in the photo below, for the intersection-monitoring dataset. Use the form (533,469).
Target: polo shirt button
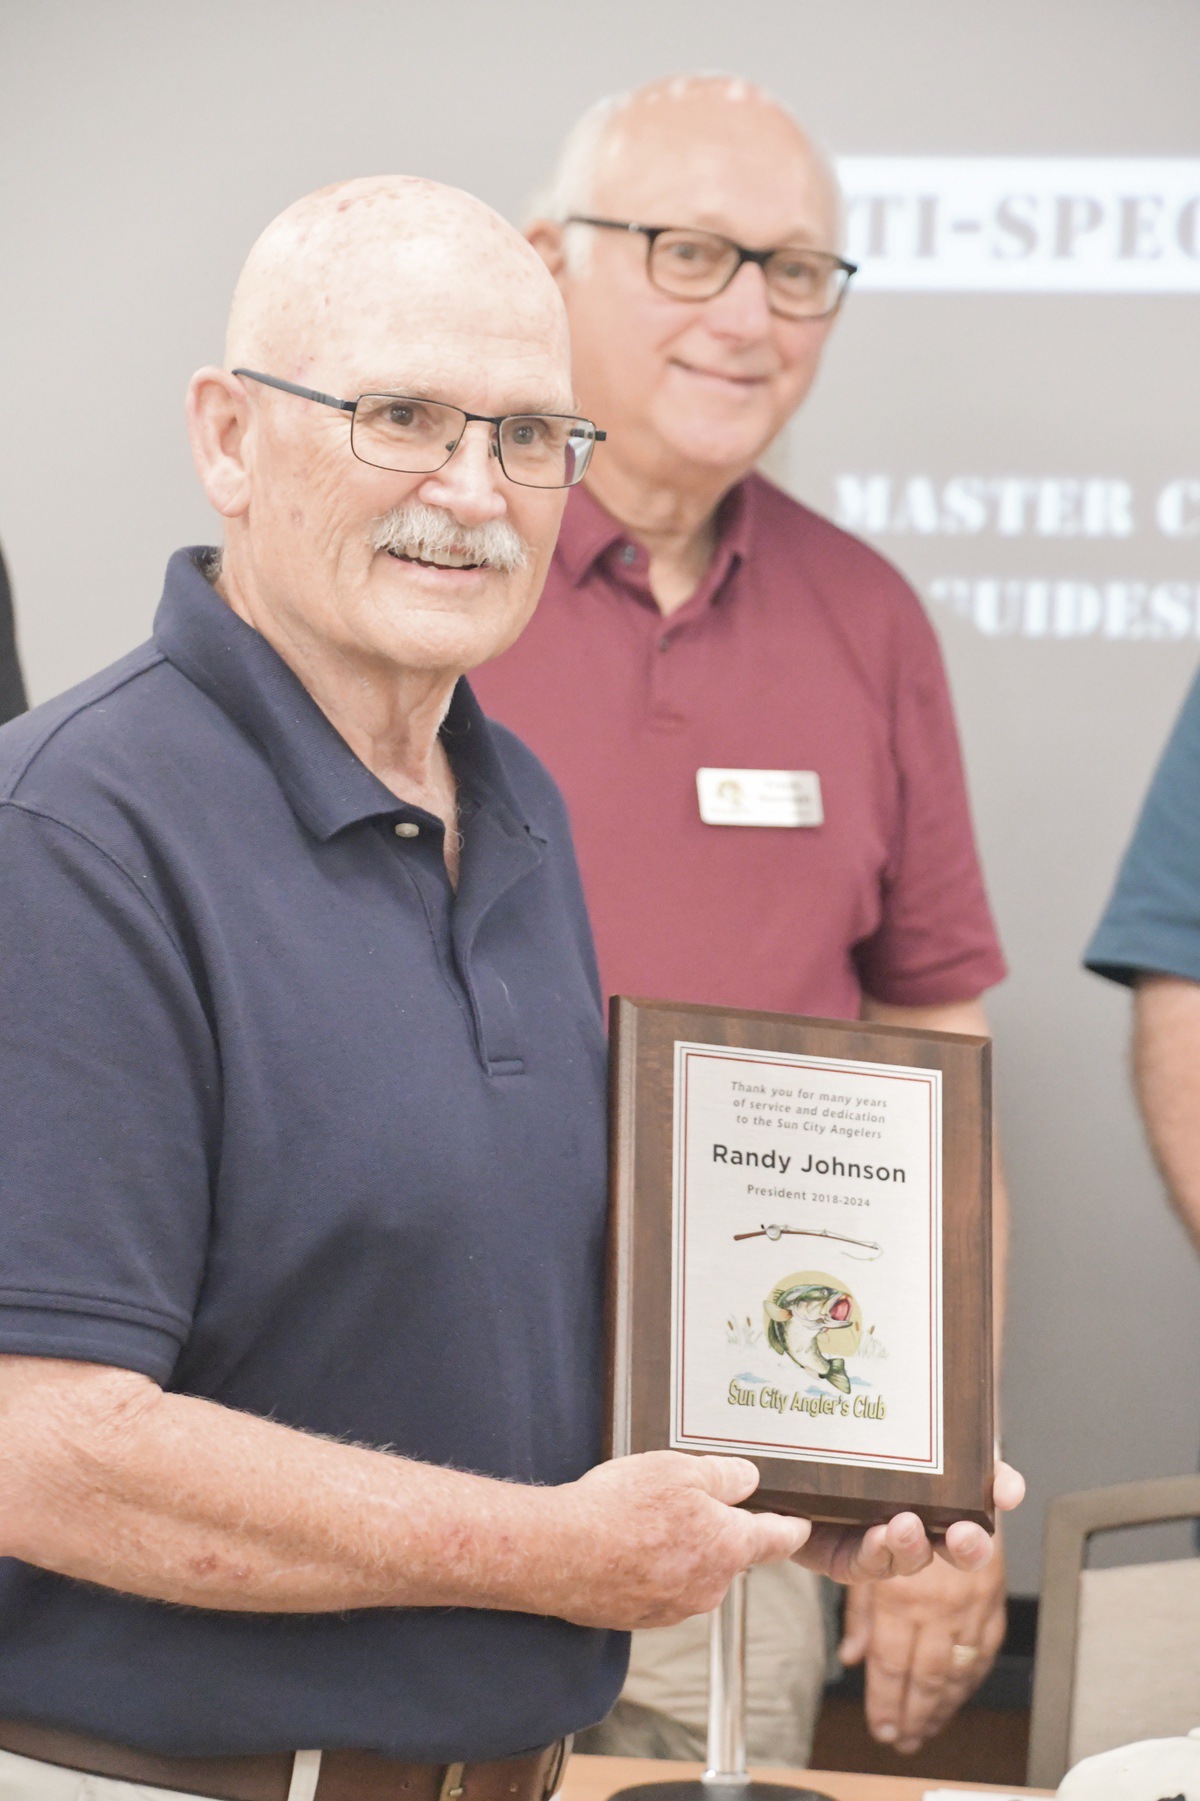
(406,828)
(628,553)
(664,644)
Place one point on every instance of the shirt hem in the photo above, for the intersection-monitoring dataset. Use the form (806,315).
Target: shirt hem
(76,1338)
(1178,955)
(948,988)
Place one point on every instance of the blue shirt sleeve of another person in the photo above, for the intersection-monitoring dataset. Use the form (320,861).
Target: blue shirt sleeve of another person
(1152,922)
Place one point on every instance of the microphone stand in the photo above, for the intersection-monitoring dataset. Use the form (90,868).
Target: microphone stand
(726,1777)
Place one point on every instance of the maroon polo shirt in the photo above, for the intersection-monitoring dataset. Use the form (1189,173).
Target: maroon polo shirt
(801,650)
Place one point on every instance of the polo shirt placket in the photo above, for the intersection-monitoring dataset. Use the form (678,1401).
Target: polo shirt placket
(670,685)
(502,855)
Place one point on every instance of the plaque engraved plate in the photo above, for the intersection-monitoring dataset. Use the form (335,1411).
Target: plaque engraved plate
(806,1258)
(800,1256)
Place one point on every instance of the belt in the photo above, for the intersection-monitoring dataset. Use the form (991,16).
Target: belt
(344,1775)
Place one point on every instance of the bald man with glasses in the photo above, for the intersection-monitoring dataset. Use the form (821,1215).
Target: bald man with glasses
(747,712)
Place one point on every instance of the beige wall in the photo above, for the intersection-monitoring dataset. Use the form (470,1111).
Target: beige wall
(142,146)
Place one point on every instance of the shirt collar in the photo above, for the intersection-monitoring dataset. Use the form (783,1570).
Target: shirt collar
(590,533)
(326,785)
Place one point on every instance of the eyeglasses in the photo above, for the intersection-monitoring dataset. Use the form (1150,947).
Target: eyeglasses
(417,437)
(697,265)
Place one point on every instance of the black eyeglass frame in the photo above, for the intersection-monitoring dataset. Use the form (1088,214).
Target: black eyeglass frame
(744,255)
(493,419)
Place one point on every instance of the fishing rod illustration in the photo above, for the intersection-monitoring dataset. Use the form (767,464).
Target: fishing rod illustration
(774,1233)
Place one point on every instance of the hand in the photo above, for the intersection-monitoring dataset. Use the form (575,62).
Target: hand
(651,1539)
(901,1547)
(915,1633)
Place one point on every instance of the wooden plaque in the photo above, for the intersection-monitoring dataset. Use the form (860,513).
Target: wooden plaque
(800,1257)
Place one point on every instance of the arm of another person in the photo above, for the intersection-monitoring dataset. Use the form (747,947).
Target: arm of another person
(907,1631)
(1149,938)
(935,943)
(1166,1068)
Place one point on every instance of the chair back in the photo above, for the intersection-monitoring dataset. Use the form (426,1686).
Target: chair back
(1118,1651)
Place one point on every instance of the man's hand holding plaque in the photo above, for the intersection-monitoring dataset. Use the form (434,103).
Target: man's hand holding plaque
(666,1534)
(901,1547)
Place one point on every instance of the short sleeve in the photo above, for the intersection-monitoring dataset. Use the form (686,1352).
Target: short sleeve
(936,943)
(108,1109)
(1152,921)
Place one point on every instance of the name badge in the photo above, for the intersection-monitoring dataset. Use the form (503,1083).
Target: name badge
(787,797)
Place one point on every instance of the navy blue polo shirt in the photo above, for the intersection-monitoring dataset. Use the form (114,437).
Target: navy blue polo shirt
(288,1124)
(1152,921)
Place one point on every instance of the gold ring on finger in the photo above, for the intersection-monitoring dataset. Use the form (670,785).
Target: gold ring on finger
(963,1656)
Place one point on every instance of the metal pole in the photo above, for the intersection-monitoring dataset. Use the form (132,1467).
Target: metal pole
(727,1691)
(725,1779)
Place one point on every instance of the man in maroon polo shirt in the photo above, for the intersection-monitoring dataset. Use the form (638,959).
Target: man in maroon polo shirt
(747,712)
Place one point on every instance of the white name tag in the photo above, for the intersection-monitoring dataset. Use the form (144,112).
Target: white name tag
(760,797)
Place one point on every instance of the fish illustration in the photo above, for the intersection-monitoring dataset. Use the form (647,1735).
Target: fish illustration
(796,1319)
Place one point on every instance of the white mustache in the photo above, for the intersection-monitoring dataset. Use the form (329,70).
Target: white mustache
(431,533)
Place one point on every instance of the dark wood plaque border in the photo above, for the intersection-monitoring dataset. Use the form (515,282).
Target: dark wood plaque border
(638,1412)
